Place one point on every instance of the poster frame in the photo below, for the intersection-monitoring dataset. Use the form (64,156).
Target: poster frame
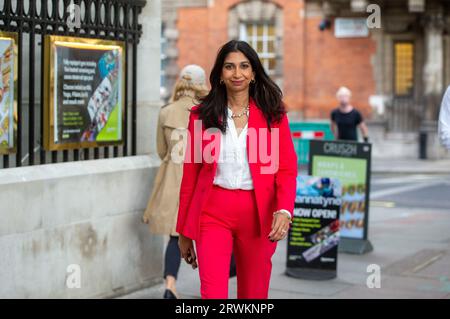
(304,269)
(15,37)
(316,148)
(50,43)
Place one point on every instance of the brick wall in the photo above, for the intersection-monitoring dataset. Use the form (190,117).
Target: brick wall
(333,62)
(315,62)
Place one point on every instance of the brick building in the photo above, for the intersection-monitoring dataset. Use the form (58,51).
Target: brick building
(397,70)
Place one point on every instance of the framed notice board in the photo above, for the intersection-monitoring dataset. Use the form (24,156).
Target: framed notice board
(84,92)
(349,162)
(313,239)
(8,92)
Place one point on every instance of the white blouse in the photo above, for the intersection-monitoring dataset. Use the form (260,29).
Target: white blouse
(233,171)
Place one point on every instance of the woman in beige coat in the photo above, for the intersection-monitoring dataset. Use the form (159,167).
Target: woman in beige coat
(162,208)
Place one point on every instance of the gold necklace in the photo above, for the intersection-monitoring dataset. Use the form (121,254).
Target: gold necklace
(233,115)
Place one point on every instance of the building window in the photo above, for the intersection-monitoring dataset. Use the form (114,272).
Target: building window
(260,23)
(404,68)
(261,36)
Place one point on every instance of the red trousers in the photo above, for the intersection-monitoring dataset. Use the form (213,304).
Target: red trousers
(229,223)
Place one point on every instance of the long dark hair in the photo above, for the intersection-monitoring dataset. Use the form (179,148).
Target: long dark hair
(264,91)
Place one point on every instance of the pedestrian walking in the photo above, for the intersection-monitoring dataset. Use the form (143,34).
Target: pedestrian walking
(232,198)
(162,208)
(345,119)
(444,120)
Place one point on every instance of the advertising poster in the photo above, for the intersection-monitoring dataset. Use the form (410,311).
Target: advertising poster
(350,163)
(8,99)
(314,236)
(86,83)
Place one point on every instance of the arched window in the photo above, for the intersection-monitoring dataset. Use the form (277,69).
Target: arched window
(260,23)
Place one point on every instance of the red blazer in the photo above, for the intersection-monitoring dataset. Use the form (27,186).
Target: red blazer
(274,188)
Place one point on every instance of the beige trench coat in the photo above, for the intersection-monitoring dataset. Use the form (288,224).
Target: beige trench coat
(162,208)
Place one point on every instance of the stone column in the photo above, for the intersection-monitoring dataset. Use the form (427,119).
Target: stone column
(434,63)
(170,33)
(433,76)
(148,77)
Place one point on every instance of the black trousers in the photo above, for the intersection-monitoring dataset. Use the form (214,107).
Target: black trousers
(172,259)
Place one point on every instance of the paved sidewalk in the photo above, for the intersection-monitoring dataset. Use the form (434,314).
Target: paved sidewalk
(412,247)
(410,166)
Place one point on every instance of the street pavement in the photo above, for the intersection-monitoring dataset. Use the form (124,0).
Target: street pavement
(410,166)
(409,227)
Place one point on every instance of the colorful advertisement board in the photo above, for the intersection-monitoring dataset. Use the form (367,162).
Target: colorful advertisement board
(314,236)
(8,92)
(85,92)
(350,163)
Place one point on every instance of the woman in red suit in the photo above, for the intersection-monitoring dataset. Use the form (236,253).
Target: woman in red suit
(239,177)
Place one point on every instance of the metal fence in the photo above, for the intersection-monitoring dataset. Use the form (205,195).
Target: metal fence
(32,20)
(404,114)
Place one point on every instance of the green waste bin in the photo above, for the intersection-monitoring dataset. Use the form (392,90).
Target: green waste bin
(303,132)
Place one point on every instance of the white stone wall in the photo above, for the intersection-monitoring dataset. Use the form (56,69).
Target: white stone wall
(87,213)
(84,213)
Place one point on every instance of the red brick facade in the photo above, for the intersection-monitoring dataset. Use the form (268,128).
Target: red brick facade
(316,63)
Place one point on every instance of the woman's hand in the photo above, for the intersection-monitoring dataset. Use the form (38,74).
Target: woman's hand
(280,226)
(187,250)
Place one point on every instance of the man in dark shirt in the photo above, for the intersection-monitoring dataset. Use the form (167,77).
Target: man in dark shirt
(345,119)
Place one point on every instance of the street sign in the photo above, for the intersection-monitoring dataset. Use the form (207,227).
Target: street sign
(349,162)
(314,236)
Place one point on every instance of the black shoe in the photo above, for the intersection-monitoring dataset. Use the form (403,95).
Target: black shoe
(168,294)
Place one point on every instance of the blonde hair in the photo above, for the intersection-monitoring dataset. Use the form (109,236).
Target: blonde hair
(185,87)
(343,91)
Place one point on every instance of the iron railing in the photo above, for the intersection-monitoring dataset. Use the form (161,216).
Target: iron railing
(32,20)
(403,114)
